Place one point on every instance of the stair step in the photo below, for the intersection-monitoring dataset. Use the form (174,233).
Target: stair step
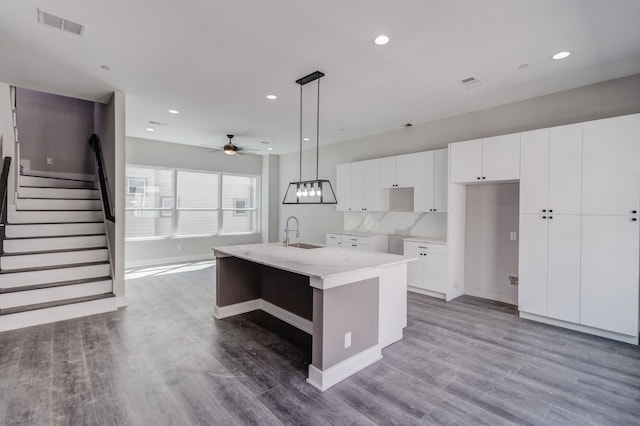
(35,245)
(29,298)
(53,229)
(51,216)
(48,182)
(52,275)
(63,193)
(63,311)
(56,204)
(37,260)
(49,285)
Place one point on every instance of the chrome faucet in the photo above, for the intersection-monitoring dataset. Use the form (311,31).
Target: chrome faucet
(287,230)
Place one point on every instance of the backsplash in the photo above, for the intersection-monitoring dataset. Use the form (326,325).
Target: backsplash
(429,225)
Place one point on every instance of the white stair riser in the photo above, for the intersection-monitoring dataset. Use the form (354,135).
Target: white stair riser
(59,313)
(51,294)
(60,243)
(55,229)
(8,263)
(64,193)
(54,183)
(53,204)
(19,279)
(54,216)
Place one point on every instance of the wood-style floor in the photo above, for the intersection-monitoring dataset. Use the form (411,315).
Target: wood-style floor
(164,360)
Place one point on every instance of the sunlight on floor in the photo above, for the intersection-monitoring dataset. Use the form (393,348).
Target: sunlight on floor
(134,273)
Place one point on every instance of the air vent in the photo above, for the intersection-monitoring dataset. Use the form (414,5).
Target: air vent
(471,83)
(60,23)
(157,123)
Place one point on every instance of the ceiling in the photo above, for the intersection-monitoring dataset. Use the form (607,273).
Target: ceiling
(215,61)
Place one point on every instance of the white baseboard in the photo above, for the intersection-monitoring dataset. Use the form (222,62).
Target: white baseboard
(121,302)
(286,316)
(581,328)
(491,295)
(426,292)
(165,261)
(324,379)
(303,324)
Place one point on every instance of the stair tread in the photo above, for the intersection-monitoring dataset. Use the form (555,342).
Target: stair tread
(55,303)
(44,268)
(51,223)
(58,211)
(56,199)
(54,284)
(27,253)
(54,236)
(57,178)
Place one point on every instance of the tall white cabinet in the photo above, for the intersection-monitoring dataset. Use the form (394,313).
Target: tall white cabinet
(579,252)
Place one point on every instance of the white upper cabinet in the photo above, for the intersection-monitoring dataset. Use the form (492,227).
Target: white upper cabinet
(466,161)
(551,170)
(611,166)
(357,186)
(501,157)
(374,199)
(490,159)
(343,187)
(397,171)
(430,181)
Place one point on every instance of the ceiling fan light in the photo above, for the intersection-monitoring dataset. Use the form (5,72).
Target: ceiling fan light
(230,149)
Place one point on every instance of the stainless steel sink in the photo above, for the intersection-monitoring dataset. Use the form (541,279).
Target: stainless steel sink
(303,245)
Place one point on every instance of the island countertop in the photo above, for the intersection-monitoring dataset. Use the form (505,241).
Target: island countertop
(322,262)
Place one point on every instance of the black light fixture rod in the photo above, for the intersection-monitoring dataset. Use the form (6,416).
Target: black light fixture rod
(300,177)
(309,78)
(318,129)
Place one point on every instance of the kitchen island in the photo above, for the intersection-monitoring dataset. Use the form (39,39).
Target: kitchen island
(352,303)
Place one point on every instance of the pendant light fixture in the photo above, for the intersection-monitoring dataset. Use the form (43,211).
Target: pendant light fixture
(317,191)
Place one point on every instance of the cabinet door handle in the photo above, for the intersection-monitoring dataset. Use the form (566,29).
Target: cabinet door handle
(550,217)
(634,211)
(544,210)
(483,177)
(544,217)
(478,177)
(550,211)
(634,219)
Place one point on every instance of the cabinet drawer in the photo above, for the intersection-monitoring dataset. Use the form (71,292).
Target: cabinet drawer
(414,246)
(355,239)
(334,238)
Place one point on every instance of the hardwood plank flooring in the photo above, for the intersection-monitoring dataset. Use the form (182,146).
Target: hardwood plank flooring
(164,360)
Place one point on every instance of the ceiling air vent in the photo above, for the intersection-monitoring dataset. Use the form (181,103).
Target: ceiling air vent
(157,123)
(60,23)
(471,83)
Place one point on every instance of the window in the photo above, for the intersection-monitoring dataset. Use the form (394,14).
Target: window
(163,203)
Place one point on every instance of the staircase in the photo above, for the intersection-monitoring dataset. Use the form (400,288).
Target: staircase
(55,262)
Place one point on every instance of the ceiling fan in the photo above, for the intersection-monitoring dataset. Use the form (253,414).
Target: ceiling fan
(231,148)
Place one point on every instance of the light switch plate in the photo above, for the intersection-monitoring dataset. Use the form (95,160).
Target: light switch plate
(512,236)
(49,160)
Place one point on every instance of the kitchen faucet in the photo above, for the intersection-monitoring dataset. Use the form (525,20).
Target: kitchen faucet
(287,230)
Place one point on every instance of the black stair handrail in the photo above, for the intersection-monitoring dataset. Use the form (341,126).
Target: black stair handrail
(4,179)
(94,143)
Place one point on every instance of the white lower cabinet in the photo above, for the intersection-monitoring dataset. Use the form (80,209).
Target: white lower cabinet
(609,294)
(429,271)
(374,242)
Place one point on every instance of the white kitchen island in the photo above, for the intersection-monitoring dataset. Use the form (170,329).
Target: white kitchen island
(353,303)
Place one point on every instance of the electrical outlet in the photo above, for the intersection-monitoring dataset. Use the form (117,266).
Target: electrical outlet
(512,236)
(347,340)
(456,285)
(49,160)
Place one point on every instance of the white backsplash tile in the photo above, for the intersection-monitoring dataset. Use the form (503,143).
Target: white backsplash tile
(428,225)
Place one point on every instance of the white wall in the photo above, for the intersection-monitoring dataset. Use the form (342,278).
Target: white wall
(607,99)
(155,153)
(491,256)
(57,127)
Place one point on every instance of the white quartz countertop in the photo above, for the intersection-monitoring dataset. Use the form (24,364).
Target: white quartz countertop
(324,262)
(426,240)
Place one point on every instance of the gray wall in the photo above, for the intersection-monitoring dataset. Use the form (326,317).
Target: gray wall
(155,153)
(607,99)
(492,213)
(57,127)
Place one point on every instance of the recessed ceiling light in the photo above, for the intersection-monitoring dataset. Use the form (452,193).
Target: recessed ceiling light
(381,40)
(306,139)
(174,111)
(150,129)
(561,55)
(270,148)
(272,97)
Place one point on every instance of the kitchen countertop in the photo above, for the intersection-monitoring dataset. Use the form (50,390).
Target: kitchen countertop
(323,262)
(357,233)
